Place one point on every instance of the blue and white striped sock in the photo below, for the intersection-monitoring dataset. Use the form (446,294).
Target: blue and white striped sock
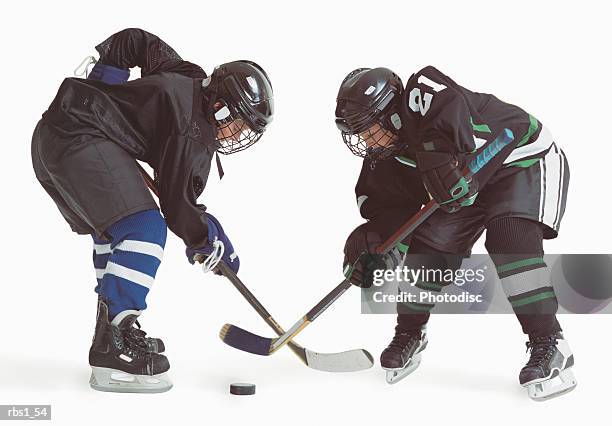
(127,264)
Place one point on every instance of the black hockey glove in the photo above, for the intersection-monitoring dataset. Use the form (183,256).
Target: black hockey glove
(360,258)
(443,178)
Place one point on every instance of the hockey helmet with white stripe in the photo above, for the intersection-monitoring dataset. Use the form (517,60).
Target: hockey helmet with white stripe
(367,112)
(244,104)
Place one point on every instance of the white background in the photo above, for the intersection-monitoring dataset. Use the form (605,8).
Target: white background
(288,205)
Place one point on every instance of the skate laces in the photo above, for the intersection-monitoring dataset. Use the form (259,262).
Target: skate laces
(403,340)
(134,339)
(138,336)
(134,346)
(541,348)
(138,331)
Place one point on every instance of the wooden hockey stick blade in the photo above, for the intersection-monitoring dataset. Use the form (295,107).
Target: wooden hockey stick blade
(249,342)
(338,362)
(348,361)
(246,341)
(353,360)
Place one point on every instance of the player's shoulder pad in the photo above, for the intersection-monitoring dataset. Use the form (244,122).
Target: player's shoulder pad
(185,68)
(431,73)
(170,85)
(429,69)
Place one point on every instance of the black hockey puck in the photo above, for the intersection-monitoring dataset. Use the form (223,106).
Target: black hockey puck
(242,389)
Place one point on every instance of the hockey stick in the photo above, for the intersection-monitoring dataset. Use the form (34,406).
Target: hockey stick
(259,345)
(352,360)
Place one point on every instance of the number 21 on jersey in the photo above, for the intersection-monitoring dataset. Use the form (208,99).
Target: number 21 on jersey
(420,102)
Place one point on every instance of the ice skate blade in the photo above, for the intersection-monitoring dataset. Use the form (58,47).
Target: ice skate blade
(560,385)
(109,380)
(394,375)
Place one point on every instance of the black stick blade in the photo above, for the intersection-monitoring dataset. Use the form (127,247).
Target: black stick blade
(246,341)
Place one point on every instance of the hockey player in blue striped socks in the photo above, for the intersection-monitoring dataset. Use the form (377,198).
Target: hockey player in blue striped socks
(175,118)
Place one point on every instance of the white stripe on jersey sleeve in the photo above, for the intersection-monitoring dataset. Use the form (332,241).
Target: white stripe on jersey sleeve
(542,143)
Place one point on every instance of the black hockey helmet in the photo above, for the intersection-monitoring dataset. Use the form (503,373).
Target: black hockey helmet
(244,92)
(367,112)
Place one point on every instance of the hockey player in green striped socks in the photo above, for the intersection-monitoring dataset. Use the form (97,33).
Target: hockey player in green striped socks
(415,141)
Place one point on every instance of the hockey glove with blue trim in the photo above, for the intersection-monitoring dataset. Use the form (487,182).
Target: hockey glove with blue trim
(219,247)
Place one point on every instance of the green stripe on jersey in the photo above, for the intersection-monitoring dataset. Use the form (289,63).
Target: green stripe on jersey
(533,299)
(519,264)
(483,128)
(533,126)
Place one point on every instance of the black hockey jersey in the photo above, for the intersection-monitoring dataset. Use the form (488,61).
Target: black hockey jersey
(435,107)
(159,118)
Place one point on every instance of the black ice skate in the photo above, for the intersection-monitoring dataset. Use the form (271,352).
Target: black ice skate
(139,336)
(403,355)
(119,359)
(548,373)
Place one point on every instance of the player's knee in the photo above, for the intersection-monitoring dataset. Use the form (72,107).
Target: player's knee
(154,227)
(514,235)
(146,226)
